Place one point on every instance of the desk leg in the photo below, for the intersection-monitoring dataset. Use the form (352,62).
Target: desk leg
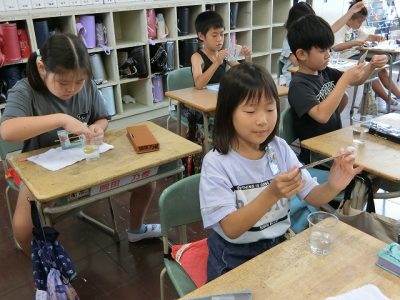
(205,123)
(179,119)
(390,81)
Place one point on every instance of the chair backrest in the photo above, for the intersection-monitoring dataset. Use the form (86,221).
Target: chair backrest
(8,147)
(286,126)
(180,79)
(180,204)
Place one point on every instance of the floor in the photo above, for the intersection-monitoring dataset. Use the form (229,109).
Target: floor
(106,270)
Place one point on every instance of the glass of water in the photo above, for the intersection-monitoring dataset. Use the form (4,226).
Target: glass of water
(322,231)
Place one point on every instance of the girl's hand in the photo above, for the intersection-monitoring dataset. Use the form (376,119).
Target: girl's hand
(245,51)
(343,171)
(287,184)
(97,133)
(378,61)
(75,126)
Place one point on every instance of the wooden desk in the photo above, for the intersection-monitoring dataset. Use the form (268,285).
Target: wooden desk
(112,165)
(379,157)
(291,271)
(205,101)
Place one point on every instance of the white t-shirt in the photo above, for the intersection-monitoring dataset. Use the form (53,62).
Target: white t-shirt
(231,181)
(345,34)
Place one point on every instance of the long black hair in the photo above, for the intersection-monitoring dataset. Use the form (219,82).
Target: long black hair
(62,52)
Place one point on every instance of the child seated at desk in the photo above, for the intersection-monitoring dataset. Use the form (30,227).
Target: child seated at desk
(316,90)
(249,176)
(59,93)
(209,63)
(287,59)
(350,36)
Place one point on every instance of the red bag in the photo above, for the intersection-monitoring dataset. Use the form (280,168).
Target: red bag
(193,259)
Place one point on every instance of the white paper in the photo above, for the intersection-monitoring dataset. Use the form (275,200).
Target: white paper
(366,292)
(56,158)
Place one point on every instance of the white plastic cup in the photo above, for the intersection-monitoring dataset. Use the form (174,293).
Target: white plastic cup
(322,231)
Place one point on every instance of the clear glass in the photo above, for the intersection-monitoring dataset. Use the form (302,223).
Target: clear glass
(322,231)
(91,148)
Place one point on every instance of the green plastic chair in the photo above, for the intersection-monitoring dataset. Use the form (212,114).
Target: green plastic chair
(179,205)
(176,80)
(286,126)
(5,149)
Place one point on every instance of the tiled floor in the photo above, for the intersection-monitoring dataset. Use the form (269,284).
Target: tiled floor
(106,270)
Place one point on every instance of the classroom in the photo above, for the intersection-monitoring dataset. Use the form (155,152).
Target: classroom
(219,149)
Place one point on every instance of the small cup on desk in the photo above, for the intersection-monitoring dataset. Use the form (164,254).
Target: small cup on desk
(359,130)
(91,148)
(322,231)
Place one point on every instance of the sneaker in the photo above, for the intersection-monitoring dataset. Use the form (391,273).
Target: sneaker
(395,105)
(152,231)
(382,106)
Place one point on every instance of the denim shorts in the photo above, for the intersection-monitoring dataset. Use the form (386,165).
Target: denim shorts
(223,256)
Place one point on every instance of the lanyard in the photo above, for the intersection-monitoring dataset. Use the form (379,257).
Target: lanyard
(272,161)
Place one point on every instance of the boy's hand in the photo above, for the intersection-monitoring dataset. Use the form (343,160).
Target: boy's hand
(245,51)
(343,171)
(354,75)
(287,184)
(357,7)
(378,61)
(222,54)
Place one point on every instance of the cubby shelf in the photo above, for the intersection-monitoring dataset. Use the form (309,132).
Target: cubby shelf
(259,25)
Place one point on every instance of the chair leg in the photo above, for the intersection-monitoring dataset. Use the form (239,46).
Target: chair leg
(169,117)
(162,276)
(11,216)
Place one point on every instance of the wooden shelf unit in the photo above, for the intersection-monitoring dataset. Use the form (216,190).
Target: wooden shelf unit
(259,25)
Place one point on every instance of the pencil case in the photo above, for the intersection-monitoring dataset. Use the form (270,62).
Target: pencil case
(142,139)
(389,258)
(388,132)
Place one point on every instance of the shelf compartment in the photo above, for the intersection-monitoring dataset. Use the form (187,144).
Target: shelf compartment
(130,27)
(110,67)
(189,13)
(274,62)
(185,50)
(222,9)
(132,63)
(262,61)
(243,38)
(243,20)
(278,35)
(261,40)
(106,20)
(169,14)
(262,12)
(45,27)
(140,90)
(280,11)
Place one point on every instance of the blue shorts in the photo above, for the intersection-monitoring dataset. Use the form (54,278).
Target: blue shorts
(224,256)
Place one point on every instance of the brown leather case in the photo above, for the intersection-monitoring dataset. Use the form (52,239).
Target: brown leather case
(142,139)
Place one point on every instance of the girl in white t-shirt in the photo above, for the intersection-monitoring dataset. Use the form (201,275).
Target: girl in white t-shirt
(247,179)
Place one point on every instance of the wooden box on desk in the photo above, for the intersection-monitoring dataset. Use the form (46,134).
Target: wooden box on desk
(142,139)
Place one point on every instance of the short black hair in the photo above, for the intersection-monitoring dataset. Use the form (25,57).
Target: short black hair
(308,32)
(243,82)
(362,13)
(297,11)
(207,20)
